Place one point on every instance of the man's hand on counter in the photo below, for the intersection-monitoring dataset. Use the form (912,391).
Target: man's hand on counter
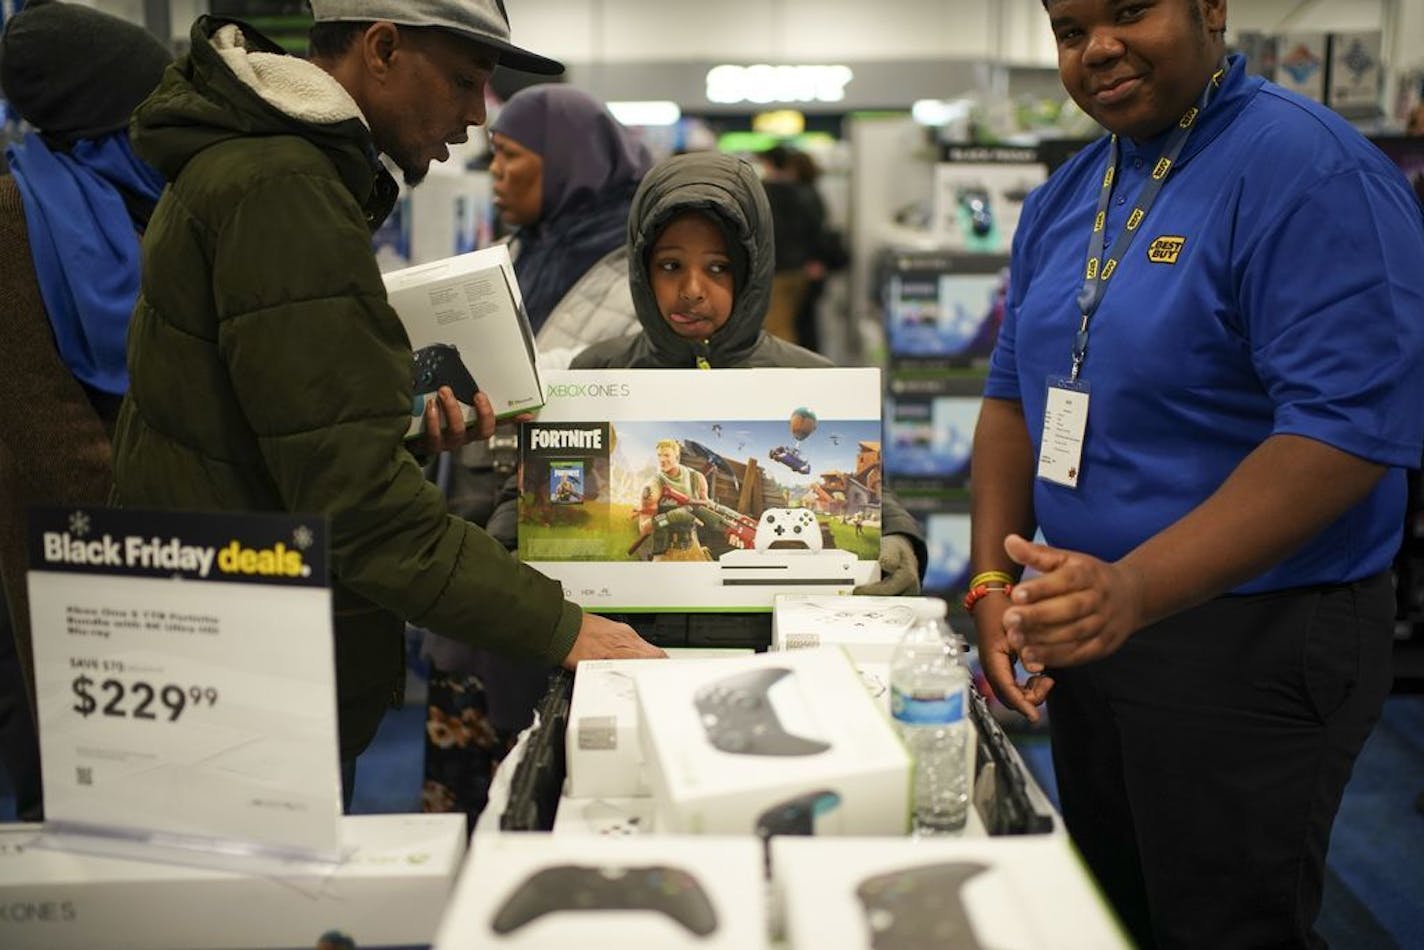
(602,639)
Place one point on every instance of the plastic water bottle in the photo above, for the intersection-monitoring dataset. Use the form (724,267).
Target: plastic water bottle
(928,699)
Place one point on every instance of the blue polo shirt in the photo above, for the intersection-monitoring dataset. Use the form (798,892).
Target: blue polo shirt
(1276,286)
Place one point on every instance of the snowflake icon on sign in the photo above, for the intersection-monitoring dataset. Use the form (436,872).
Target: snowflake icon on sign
(79,524)
(302,537)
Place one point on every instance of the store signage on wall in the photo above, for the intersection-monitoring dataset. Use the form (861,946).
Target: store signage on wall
(763,83)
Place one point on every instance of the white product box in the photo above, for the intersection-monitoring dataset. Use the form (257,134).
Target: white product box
(1020,893)
(875,677)
(466,322)
(55,900)
(602,752)
(742,746)
(532,890)
(656,490)
(869,628)
(611,817)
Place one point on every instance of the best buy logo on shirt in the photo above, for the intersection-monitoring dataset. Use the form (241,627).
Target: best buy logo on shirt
(1166,249)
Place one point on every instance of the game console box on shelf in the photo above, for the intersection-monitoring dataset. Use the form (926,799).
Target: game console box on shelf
(868,628)
(603,752)
(592,892)
(465,319)
(58,899)
(728,743)
(904,894)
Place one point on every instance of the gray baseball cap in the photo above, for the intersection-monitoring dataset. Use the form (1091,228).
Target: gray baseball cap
(483,21)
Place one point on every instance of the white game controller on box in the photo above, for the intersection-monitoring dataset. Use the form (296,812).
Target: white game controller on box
(797,525)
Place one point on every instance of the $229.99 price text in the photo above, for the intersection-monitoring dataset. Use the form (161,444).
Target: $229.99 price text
(137,699)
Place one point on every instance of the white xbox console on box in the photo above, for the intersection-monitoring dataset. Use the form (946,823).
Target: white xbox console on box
(532,890)
(465,319)
(610,817)
(1021,893)
(56,899)
(602,752)
(869,628)
(770,744)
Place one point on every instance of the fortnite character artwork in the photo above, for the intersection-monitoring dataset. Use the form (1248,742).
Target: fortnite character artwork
(670,522)
(567,484)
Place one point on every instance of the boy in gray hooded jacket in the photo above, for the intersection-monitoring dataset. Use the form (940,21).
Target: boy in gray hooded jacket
(700,264)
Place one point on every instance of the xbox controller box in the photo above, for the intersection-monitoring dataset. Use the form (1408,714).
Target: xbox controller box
(1020,893)
(602,752)
(590,892)
(609,816)
(868,628)
(468,330)
(729,742)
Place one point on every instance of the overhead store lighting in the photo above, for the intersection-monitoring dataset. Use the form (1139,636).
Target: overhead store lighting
(783,122)
(940,111)
(646,112)
(765,83)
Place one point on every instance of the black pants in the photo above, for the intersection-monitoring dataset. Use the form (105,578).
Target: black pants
(1201,766)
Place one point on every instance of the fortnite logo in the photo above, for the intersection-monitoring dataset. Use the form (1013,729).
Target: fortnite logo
(567,439)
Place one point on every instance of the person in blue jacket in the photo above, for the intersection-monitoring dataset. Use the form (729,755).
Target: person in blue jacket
(1205,394)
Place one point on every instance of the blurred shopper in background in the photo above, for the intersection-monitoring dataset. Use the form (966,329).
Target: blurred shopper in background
(564,172)
(1212,621)
(71,212)
(798,217)
(828,253)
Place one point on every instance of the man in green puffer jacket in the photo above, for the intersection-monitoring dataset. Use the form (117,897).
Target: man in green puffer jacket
(268,372)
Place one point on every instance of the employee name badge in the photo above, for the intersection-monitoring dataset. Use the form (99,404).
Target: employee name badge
(1065,419)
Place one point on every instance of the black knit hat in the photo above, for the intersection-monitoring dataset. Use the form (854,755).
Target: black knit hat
(75,73)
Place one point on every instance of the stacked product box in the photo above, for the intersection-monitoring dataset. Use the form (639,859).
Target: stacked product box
(527,890)
(776,743)
(60,899)
(1013,894)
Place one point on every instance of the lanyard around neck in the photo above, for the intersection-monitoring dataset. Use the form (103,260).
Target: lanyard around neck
(1100,270)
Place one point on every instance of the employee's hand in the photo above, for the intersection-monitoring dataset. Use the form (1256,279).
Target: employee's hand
(997,657)
(899,570)
(1079,609)
(602,639)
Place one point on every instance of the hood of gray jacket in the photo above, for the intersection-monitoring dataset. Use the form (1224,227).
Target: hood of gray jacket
(728,188)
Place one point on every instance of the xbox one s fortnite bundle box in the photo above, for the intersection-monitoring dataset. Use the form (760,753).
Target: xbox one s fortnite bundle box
(467,325)
(658,490)
(774,743)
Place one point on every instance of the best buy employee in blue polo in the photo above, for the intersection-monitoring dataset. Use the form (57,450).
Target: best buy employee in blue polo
(1209,382)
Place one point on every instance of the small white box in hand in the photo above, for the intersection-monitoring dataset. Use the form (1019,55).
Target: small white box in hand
(1023,893)
(610,817)
(532,890)
(602,752)
(869,628)
(82,901)
(466,322)
(769,744)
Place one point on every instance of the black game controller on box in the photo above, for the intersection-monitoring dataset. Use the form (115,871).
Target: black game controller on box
(738,717)
(568,887)
(920,907)
(437,365)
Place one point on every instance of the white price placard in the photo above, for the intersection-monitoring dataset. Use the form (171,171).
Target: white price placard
(185,678)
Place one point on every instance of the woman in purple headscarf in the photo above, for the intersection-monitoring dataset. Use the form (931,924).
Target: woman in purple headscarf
(564,174)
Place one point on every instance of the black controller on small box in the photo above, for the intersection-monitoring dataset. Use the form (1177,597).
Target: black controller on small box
(437,365)
(788,549)
(920,907)
(668,890)
(737,716)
